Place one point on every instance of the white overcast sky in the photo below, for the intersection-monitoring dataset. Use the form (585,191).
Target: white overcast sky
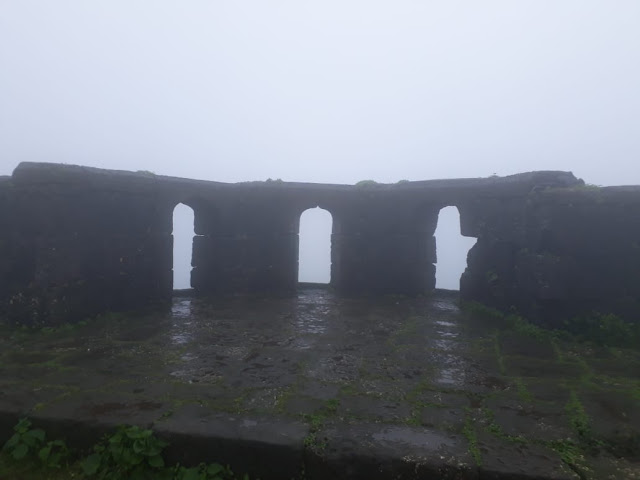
(323,91)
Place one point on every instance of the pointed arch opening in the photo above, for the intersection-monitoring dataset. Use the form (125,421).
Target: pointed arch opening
(451,249)
(183,233)
(314,252)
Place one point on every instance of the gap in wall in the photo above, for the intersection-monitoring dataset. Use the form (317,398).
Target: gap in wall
(183,233)
(451,249)
(314,254)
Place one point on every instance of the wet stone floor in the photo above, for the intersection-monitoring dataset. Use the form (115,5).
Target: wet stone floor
(402,387)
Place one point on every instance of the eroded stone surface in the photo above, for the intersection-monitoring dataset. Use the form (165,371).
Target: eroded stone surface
(78,241)
(350,379)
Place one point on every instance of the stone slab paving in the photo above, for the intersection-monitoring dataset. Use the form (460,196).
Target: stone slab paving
(321,387)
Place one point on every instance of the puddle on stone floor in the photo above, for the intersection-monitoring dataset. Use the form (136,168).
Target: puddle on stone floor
(447,334)
(445,305)
(181,308)
(309,323)
(450,377)
(315,296)
(182,318)
(251,354)
(443,323)
(445,344)
(180,338)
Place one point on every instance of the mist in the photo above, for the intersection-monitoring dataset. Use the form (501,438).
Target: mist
(328,92)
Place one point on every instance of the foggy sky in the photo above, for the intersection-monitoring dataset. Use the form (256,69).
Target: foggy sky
(323,91)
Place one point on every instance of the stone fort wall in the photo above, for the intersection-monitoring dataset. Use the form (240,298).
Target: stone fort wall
(78,241)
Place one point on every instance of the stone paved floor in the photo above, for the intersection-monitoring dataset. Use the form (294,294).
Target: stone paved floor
(407,386)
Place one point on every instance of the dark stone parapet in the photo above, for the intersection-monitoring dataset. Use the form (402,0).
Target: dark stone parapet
(76,241)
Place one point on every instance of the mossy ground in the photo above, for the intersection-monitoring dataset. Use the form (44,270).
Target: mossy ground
(497,386)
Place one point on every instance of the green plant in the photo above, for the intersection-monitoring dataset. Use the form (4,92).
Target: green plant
(605,330)
(54,454)
(25,441)
(483,311)
(599,329)
(316,420)
(312,441)
(331,406)
(30,442)
(130,453)
(570,453)
(523,327)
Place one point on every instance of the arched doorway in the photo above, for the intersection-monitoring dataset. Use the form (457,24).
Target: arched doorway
(314,253)
(451,249)
(183,233)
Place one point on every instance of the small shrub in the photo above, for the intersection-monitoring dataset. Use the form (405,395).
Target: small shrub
(131,452)
(54,454)
(30,443)
(604,330)
(366,183)
(526,328)
(484,311)
(25,441)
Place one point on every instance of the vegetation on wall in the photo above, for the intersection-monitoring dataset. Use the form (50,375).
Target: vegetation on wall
(603,330)
(366,183)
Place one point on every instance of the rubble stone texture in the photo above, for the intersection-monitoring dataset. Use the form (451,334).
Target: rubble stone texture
(77,241)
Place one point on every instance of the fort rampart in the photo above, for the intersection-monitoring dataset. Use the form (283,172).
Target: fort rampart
(78,241)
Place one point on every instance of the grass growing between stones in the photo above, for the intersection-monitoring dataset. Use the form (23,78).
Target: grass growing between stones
(316,421)
(504,379)
(495,429)
(469,431)
(588,344)
(599,329)
(578,418)
(573,451)
(523,392)
(413,399)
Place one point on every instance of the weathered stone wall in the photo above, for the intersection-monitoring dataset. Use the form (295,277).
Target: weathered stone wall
(6,229)
(558,253)
(582,253)
(77,241)
(84,243)
(245,243)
